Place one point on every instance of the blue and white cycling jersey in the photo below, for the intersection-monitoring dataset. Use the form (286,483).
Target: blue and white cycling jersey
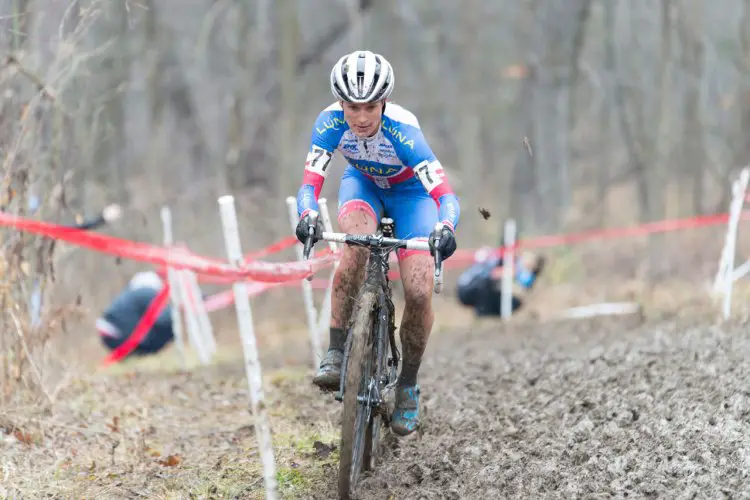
(391,172)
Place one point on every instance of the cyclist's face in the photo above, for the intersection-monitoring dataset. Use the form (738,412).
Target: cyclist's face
(363,119)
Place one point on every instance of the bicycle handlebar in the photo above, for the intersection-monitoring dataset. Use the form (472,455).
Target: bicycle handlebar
(371,240)
(377,241)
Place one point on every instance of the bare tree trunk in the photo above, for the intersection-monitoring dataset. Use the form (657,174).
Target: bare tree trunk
(663,141)
(289,41)
(106,111)
(235,155)
(554,58)
(163,59)
(636,134)
(693,154)
(656,173)
(21,23)
(604,170)
(742,149)
(470,158)
(524,203)
(153,57)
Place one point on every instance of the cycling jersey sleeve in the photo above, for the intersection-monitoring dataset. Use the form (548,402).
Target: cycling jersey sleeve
(413,150)
(326,135)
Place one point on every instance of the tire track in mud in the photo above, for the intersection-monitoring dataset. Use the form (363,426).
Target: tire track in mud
(577,411)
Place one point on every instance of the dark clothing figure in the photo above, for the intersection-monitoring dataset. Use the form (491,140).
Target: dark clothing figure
(123,315)
(480,285)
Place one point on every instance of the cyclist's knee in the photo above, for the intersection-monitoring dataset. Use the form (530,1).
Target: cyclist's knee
(418,297)
(357,217)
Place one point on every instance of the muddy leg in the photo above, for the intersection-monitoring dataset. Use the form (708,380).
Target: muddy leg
(416,323)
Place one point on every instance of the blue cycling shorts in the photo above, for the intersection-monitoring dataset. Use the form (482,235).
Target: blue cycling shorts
(413,211)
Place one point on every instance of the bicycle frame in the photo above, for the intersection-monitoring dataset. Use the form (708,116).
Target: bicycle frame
(380,246)
(376,278)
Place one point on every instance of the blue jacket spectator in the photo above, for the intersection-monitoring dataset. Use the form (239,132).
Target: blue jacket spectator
(480,285)
(125,312)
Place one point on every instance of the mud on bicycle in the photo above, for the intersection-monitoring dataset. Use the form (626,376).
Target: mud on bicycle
(371,358)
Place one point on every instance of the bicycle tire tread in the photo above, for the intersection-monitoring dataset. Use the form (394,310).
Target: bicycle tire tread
(360,330)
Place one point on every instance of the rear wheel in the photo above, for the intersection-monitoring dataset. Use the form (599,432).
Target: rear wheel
(356,415)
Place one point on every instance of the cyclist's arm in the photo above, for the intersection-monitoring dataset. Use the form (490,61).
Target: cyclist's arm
(430,173)
(416,153)
(326,134)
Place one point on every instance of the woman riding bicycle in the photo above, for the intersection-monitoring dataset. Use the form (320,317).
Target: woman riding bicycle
(391,171)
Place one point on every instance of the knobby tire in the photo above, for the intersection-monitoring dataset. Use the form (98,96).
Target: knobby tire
(381,353)
(354,423)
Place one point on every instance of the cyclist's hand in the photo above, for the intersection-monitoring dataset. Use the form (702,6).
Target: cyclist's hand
(446,243)
(303,229)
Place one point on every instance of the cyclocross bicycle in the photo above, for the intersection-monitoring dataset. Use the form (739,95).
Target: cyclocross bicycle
(370,366)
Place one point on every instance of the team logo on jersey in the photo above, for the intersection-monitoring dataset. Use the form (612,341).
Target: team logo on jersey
(397,134)
(350,147)
(375,170)
(386,151)
(333,123)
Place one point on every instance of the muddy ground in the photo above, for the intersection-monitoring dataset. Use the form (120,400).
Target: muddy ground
(580,411)
(542,410)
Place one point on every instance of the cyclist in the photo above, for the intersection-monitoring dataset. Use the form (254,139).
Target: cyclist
(391,170)
(480,285)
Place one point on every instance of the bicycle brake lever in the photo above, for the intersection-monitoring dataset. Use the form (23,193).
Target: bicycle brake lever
(438,280)
(309,240)
(438,273)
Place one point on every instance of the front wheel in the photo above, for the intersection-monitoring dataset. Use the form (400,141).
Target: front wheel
(384,373)
(356,415)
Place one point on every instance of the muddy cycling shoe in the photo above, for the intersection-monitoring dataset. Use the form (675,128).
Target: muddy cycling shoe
(405,417)
(329,373)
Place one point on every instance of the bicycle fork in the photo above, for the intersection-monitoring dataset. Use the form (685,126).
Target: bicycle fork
(371,396)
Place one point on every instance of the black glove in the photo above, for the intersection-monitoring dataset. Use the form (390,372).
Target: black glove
(446,244)
(303,229)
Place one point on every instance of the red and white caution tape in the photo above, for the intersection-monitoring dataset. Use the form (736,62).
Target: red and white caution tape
(177,258)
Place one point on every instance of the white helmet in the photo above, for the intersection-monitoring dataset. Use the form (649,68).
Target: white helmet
(146,279)
(362,77)
(482,254)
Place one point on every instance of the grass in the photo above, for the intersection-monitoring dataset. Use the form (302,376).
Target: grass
(146,429)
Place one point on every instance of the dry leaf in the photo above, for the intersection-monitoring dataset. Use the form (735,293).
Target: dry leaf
(23,437)
(25,268)
(114,426)
(485,213)
(170,461)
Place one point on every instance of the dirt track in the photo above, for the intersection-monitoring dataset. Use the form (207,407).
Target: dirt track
(579,411)
(544,411)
